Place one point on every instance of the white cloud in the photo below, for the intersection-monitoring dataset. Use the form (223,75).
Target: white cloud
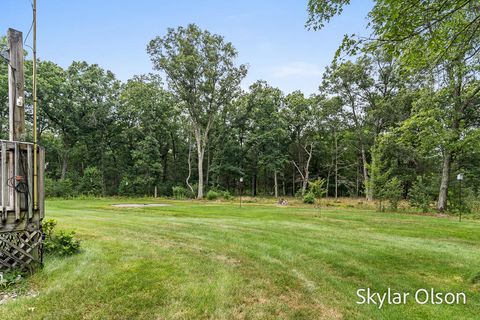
(297,69)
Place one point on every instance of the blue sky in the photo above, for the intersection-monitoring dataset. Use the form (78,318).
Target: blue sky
(269,34)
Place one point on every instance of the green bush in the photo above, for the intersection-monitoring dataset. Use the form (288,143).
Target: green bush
(136,186)
(309,198)
(317,188)
(91,182)
(212,195)
(419,195)
(227,196)
(62,188)
(466,202)
(193,194)
(10,279)
(179,192)
(298,194)
(125,187)
(59,242)
(393,192)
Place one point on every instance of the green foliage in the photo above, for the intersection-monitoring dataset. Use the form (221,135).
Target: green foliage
(92,182)
(136,185)
(179,192)
(420,195)
(62,188)
(10,279)
(298,194)
(309,198)
(393,192)
(60,242)
(317,188)
(226,195)
(383,185)
(464,202)
(201,72)
(213,195)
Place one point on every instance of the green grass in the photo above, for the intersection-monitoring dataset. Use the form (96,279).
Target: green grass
(196,260)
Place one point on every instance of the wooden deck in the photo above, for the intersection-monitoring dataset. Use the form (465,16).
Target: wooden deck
(22,204)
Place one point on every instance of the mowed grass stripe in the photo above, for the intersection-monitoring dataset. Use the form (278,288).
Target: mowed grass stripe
(196,260)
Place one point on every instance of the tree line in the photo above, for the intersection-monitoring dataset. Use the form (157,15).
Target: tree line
(396,117)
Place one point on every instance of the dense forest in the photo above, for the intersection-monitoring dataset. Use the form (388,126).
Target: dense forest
(391,119)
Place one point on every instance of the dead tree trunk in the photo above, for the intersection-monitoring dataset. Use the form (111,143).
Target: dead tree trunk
(306,169)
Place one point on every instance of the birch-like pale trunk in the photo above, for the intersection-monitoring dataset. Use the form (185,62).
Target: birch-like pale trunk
(276,183)
(306,170)
(189,161)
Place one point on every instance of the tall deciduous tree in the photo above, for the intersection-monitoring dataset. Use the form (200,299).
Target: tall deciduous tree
(354,85)
(300,118)
(200,70)
(441,37)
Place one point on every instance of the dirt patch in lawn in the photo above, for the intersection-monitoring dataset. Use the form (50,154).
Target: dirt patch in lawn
(139,205)
(6,297)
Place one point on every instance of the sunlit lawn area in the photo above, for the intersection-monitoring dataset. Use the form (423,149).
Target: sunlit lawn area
(207,260)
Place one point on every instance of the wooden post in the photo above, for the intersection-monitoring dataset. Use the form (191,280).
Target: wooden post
(16,102)
(16,94)
(4,182)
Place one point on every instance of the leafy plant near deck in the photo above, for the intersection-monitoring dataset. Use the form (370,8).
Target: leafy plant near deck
(59,242)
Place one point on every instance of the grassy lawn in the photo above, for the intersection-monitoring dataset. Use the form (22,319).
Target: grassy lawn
(196,260)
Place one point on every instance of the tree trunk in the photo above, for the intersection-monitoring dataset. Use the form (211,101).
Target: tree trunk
(336,166)
(174,154)
(293,181)
(442,196)
(366,180)
(305,182)
(276,183)
(189,161)
(305,174)
(64,166)
(208,166)
(254,184)
(201,144)
(328,184)
(200,172)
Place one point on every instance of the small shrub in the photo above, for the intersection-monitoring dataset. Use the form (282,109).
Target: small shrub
(317,188)
(419,195)
(61,242)
(179,192)
(466,202)
(92,182)
(193,194)
(125,187)
(309,198)
(61,188)
(9,279)
(393,192)
(212,195)
(227,196)
(298,194)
